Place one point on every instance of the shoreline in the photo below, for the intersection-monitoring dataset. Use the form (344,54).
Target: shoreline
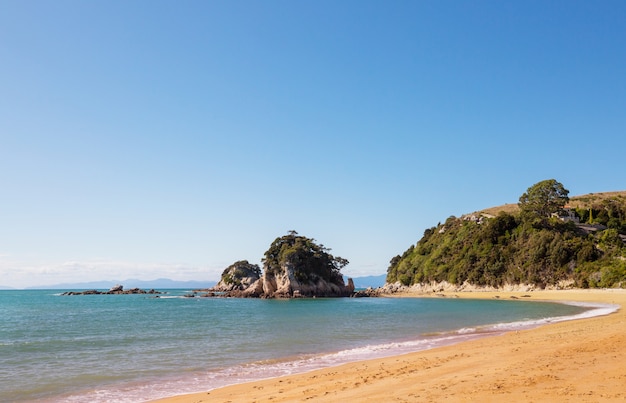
(540,364)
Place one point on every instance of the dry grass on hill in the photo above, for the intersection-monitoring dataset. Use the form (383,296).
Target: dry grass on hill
(585,201)
(582,201)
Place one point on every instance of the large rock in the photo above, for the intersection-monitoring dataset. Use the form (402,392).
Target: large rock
(294,266)
(285,285)
(238,276)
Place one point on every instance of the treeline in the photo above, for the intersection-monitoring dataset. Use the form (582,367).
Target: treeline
(533,246)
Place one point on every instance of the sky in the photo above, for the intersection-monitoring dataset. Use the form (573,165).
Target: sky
(168,139)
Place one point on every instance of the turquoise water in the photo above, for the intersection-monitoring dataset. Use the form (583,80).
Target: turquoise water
(116,348)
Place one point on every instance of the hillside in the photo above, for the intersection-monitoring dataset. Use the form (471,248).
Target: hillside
(580,242)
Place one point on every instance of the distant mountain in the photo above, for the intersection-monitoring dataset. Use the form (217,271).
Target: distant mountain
(129,283)
(369,281)
(164,283)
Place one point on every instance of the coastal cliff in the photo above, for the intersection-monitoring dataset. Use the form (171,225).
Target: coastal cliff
(285,284)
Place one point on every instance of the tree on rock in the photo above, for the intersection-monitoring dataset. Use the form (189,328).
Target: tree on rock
(309,260)
(543,199)
(294,266)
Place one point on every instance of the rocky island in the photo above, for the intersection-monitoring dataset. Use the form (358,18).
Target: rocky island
(115,290)
(294,266)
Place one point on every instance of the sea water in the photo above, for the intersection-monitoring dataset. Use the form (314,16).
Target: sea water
(133,348)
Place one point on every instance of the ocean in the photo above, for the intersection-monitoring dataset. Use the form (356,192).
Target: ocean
(133,348)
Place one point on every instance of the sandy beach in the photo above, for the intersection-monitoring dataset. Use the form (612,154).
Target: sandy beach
(575,361)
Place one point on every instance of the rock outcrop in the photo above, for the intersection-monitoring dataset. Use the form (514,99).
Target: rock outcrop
(444,286)
(294,266)
(369,292)
(283,285)
(115,290)
(239,276)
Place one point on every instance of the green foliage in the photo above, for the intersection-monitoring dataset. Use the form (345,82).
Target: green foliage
(528,247)
(544,198)
(609,212)
(606,272)
(311,261)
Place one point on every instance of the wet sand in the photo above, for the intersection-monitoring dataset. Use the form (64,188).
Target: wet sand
(575,361)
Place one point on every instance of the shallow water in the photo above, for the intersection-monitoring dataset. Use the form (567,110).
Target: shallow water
(116,348)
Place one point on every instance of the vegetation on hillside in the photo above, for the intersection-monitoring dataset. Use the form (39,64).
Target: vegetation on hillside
(532,245)
(310,261)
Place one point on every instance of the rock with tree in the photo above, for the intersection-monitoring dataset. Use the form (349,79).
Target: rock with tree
(293,266)
(238,277)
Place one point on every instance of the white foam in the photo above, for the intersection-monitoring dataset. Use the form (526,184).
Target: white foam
(596,309)
(467,330)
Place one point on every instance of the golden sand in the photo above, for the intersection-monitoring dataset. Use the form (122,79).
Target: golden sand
(576,361)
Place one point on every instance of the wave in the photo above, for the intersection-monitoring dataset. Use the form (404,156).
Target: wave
(593,309)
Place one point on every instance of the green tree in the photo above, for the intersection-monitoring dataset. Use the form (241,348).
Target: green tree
(544,198)
(309,259)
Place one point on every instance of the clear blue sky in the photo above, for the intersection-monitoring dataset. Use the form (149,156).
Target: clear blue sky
(146,139)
